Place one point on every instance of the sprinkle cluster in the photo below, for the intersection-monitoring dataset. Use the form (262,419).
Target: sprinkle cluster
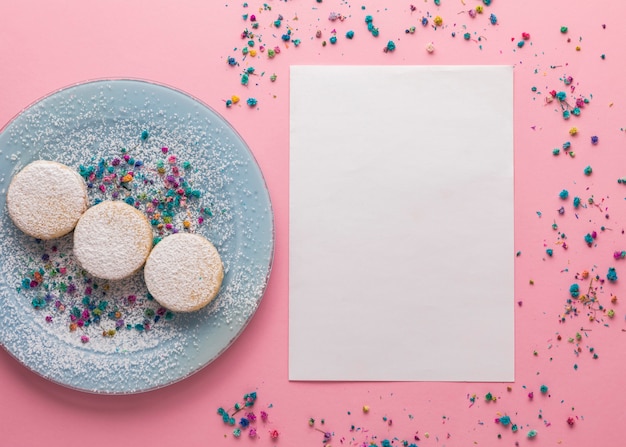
(248,420)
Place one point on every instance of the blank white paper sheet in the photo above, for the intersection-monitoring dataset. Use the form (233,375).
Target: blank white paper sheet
(401,223)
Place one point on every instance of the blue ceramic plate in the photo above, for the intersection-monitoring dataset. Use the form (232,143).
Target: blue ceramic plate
(190,172)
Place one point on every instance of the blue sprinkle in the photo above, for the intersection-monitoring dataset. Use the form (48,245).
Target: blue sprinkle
(612,274)
(574,290)
(493,19)
(350,34)
(564,194)
(251,102)
(549,252)
(576,202)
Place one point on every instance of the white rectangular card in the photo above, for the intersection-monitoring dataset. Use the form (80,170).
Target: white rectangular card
(401,223)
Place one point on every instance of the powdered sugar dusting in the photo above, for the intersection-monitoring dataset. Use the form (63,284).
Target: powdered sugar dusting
(184,272)
(127,342)
(46,199)
(112,240)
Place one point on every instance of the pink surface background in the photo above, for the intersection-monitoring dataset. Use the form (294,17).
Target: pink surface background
(45,46)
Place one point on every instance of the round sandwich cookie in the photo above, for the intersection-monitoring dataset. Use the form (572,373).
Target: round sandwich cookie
(112,240)
(184,272)
(46,199)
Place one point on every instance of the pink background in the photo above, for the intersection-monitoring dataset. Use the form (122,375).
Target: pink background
(48,45)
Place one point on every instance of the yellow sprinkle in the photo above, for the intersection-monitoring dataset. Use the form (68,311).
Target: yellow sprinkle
(127,178)
(573,131)
(366,408)
(438,21)
(479,9)
(186,224)
(234,99)
(577,48)
(253,53)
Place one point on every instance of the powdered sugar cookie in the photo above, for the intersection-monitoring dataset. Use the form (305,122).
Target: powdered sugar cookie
(112,240)
(46,199)
(184,272)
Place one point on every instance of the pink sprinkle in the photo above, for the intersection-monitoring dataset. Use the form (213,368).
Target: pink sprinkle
(171,159)
(48,319)
(84,338)
(530,395)
(253,18)
(200,220)
(164,150)
(570,421)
